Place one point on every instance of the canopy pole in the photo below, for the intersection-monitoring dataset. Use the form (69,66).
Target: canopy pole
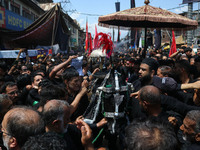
(53,32)
(145,43)
(55,25)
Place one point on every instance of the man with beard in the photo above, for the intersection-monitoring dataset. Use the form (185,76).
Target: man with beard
(147,76)
(182,71)
(148,69)
(191,129)
(18,125)
(56,115)
(183,75)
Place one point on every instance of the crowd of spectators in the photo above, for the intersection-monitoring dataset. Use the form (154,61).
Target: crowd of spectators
(42,101)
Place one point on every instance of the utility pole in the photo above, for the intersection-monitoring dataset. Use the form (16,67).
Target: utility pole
(189,33)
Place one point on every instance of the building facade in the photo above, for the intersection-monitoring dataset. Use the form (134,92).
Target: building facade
(17,15)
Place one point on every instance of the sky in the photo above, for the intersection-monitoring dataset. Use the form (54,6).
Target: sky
(92,9)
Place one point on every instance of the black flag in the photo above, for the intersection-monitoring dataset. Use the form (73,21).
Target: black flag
(157,34)
(133,31)
(190,1)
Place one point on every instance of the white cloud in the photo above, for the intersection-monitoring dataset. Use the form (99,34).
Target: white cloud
(75,15)
(81,21)
(181,10)
(185,8)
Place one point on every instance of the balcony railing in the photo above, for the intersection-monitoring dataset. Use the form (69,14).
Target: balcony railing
(36,2)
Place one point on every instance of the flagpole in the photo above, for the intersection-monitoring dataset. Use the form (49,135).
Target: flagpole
(113,35)
(86,38)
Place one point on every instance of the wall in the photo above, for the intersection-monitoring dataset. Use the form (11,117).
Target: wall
(14,21)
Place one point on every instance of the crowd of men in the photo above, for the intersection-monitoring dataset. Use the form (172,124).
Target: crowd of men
(42,102)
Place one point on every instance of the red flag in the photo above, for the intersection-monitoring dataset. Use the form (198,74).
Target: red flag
(50,51)
(90,48)
(173,46)
(86,38)
(118,38)
(96,38)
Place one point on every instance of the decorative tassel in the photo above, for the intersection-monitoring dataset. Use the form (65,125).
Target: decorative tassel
(106,42)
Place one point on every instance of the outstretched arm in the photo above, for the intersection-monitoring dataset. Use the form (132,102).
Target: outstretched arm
(91,76)
(20,51)
(44,60)
(195,85)
(60,66)
(176,53)
(78,97)
(11,69)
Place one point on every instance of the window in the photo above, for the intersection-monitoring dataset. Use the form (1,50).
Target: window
(1,3)
(27,14)
(32,16)
(15,7)
(6,4)
(163,36)
(36,17)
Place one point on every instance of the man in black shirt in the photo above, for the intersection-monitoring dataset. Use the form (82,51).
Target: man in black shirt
(191,131)
(56,116)
(33,97)
(147,76)
(73,85)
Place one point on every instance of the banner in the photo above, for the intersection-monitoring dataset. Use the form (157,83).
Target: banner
(190,1)
(132,3)
(77,64)
(157,34)
(14,53)
(117,5)
(15,21)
